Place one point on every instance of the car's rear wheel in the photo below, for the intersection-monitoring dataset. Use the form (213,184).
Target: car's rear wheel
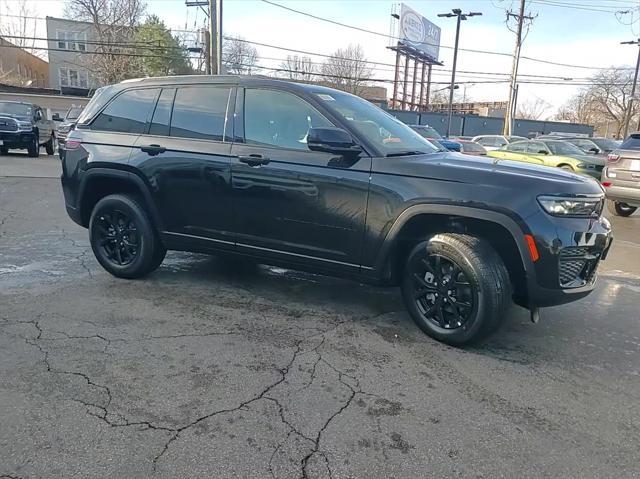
(33,149)
(123,238)
(49,147)
(456,288)
(621,209)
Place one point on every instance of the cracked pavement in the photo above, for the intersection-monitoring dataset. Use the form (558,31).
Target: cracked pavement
(221,368)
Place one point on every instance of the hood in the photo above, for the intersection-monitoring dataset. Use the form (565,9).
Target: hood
(591,159)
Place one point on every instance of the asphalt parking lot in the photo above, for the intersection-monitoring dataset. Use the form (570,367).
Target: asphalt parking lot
(218,368)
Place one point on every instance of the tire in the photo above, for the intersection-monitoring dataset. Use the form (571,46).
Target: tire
(621,209)
(4,150)
(33,149)
(474,295)
(566,167)
(49,146)
(123,238)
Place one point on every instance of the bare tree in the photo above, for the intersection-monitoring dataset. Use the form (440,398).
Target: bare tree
(298,68)
(579,109)
(113,27)
(21,23)
(532,109)
(238,56)
(347,70)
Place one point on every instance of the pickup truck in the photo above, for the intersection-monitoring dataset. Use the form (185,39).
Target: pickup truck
(25,126)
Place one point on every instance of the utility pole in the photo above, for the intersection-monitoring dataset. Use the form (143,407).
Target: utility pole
(456,12)
(629,112)
(207,54)
(511,107)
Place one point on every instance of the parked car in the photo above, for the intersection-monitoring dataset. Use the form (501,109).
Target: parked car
(472,148)
(493,142)
(431,134)
(24,126)
(596,146)
(307,177)
(557,153)
(621,177)
(68,123)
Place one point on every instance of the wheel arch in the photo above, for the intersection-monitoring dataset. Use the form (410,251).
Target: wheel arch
(99,182)
(420,221)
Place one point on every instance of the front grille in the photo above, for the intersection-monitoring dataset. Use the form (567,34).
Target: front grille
(577,267)
(8,124)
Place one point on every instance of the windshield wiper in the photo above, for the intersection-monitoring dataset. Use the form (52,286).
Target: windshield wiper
(404,153)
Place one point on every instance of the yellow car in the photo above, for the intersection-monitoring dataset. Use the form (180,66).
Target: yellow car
(555,153)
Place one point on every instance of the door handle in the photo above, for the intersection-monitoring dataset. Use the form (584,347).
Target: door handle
(153,150)
(254,160)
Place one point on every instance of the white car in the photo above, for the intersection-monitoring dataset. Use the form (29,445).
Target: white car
(493,142)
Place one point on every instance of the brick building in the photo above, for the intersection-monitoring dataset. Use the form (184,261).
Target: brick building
(21,68)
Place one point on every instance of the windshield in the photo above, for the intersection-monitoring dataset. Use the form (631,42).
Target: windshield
(605,144)
(15,109)
(564,148)
(388,134)
(427,132)
(73,113)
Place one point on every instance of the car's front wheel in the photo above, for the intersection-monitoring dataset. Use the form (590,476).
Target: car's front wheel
(33,149)
(123,238)
(456,288)
(4,150)
(49,146)
(621,209)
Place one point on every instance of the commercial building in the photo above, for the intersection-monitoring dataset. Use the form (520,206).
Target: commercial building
(21,68)
(494,109)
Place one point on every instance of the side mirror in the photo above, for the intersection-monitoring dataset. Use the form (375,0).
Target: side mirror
(56,117)
(542,152)
(594,150)
(332,140)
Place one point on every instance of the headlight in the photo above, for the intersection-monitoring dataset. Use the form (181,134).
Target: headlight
(586,166)
(563,206)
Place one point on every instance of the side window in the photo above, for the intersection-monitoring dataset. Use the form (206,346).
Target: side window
(278,118)
(486,141)
(517,147)
(162,115)
(128,112)
(536,148)
(200,112)
(500,142)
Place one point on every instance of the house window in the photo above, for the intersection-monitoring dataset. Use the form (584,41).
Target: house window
(72,41)
(70,77)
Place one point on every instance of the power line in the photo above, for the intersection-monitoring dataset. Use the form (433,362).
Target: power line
(92,53)
(145,45)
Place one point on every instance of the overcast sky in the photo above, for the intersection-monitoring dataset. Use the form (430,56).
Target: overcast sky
(577,32)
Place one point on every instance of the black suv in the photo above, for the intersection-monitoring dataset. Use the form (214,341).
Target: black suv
(312,178)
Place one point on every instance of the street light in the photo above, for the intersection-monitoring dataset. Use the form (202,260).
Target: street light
(455,87)
(456,12)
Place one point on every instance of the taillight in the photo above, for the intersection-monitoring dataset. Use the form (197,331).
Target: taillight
(606,184)
(72,144)
(613,158)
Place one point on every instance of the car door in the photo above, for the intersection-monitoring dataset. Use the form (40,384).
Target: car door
(43,125)
(291,203)
(184,157)
(514,151)
(537,152)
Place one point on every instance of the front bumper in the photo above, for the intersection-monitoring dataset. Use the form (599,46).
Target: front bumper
(570,252)
(594,173)
(18,139)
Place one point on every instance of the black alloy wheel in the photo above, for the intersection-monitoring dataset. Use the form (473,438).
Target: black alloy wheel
(123,239)
(456,288)
(117,236)
(623,209)
(442,292)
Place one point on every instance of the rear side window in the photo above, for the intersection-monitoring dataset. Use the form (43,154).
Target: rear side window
(631,143)
(128,112)
(162,115)
(200,112)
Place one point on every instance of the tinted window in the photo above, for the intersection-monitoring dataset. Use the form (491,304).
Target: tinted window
(200,112)
(162,114)
(128,112)
(563,148)
(606,144)
(279,119)
(519,146)
(631,143)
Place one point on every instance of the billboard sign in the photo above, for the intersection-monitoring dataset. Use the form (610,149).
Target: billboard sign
(418,32)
